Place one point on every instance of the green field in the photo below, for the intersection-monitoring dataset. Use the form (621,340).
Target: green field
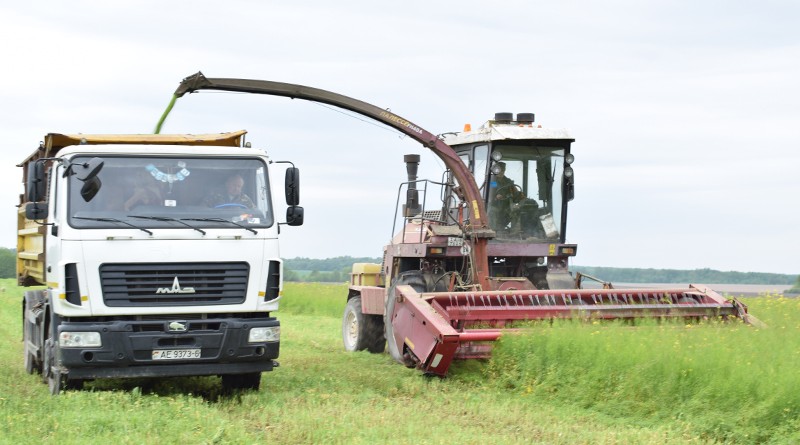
(562,384)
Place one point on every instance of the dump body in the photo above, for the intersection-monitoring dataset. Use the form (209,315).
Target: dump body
(165,263)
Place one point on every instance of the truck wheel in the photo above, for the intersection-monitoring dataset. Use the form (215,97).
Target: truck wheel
(50,373)
(32,302)
(361,331)
(250,380)
(397,348)
(30,362)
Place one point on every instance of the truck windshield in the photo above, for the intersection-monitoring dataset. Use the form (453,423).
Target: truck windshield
(524,199)
(178,193)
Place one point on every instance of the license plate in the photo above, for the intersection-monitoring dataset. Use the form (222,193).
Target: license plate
(175,354)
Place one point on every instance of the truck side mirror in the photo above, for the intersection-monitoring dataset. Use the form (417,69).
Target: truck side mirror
(90,188)
(292,187)
(36,210)
(34,185)
(85,171)
(294,216)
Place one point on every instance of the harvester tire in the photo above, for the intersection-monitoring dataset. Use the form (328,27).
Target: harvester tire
(417,281)
(361,331)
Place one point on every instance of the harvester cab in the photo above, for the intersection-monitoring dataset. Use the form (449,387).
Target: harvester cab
(525,177)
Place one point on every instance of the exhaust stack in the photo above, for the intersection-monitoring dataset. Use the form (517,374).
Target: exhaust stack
(411,207)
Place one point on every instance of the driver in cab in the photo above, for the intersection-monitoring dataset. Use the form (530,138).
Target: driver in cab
(503,193)
(230,196)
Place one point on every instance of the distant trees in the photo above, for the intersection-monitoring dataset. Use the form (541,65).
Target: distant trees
(700,276)
(796,288)
(337,270)
(8,263)
(328,270)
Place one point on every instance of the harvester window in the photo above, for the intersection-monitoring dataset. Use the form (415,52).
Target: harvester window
(525,195)
(481,156)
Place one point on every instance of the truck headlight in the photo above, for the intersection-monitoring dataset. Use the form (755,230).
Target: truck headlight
(80,340)
(261,335)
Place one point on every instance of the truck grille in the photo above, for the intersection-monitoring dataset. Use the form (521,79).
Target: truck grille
(166,284)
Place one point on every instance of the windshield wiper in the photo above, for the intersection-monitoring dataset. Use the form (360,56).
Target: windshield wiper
(167,218)
(114,220)
(220,220)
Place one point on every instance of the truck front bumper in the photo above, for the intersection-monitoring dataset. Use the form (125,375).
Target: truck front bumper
(128,348)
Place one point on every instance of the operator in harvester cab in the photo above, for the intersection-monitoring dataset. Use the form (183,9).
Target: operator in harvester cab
(503,193)
(230,195)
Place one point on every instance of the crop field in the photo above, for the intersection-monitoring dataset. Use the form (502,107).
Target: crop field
(560,383)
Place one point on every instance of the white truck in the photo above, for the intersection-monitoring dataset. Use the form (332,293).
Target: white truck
(151,256)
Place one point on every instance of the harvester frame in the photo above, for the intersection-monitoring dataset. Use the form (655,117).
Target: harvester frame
(434,298)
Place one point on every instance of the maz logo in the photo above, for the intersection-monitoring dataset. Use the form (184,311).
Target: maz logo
(176,289)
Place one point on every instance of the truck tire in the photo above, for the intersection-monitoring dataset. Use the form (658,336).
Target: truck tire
(30,362)
(32,302)
(361,331)
(397,350)
(50,373)
(250,380)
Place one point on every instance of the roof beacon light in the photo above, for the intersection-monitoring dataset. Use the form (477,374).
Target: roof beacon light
(467,127)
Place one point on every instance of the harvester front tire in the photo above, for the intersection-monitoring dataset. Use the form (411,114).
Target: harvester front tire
(417,282)
(361,331)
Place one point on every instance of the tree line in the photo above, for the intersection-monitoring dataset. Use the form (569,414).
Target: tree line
(328,270)
(703,276)
(337,270)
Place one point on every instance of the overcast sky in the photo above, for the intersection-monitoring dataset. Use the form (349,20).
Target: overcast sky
(685,113)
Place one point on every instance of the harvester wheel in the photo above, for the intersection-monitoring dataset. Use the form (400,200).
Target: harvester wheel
(361,331)
(396,350)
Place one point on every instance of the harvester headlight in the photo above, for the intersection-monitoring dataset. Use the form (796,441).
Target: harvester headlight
(267,334)
(568,172)
(496,169)
(569,158)
(497,156)
(80,340)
